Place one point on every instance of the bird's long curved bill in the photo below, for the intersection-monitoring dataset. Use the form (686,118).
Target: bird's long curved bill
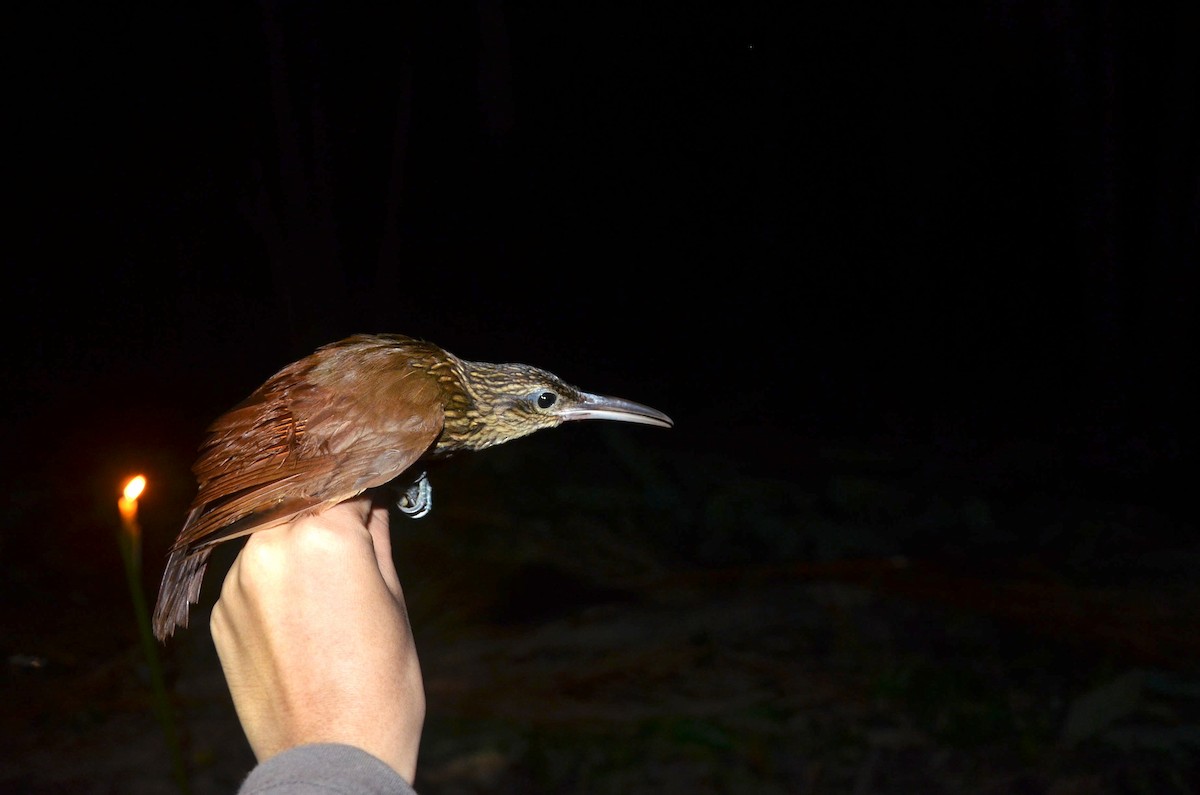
(600,407)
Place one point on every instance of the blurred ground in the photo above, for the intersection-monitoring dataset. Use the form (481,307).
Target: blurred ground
(885,617)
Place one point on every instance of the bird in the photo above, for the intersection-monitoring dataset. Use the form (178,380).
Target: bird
(354,415)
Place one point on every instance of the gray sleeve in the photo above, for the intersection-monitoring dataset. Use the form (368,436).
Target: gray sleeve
(324,769)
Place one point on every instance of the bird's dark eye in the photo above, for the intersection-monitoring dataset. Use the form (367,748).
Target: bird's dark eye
(546,400)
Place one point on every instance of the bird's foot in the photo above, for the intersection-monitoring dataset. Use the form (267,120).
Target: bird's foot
(417,499)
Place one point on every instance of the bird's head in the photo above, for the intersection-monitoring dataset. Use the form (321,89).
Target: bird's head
(501,402)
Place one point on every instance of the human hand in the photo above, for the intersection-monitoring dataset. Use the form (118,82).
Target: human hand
(313,636)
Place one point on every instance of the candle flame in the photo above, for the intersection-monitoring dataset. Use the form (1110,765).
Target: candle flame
(134,488)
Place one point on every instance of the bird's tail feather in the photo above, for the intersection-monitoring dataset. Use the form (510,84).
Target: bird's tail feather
(180,589)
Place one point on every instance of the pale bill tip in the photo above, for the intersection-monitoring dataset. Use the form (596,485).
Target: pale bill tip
(599,407)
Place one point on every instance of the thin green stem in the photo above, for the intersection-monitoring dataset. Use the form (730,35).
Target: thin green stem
(131,555)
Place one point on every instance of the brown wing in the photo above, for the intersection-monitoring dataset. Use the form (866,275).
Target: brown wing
(324,429)
(352,416)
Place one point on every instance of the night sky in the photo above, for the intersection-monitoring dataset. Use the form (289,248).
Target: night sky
(781,224)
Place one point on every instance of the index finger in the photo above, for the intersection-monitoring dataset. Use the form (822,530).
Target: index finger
(381,539)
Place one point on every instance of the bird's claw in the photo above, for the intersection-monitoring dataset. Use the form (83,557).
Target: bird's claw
(417,499)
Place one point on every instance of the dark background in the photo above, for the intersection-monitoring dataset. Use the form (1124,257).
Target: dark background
(916,284)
